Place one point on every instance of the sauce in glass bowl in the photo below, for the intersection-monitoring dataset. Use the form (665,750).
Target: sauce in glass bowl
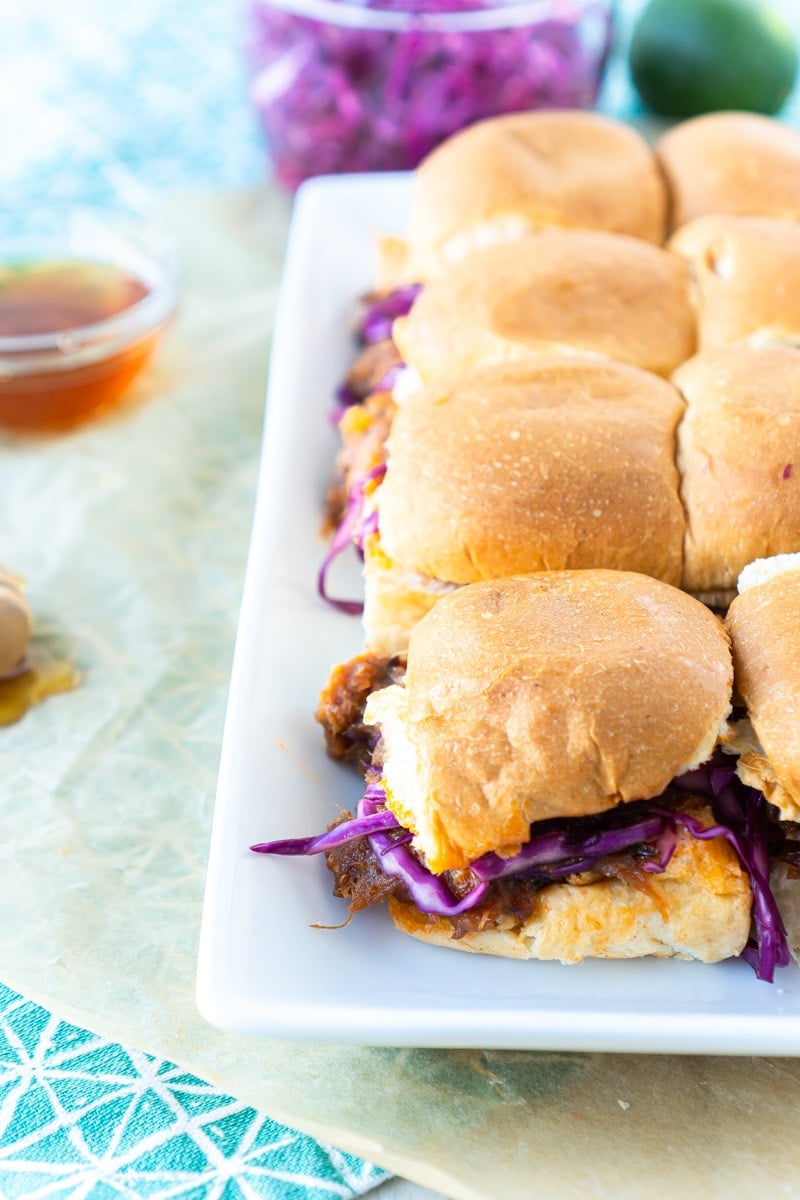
(81,312)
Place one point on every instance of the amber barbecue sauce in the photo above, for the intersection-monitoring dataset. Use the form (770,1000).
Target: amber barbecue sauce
(60,297)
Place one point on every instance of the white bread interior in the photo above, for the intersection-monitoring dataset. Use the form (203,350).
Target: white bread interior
(394,601)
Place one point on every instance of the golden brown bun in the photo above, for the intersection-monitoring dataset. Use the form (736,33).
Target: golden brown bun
(564,168)
(591,293)
(731,162)
(550,695)
(739,459)
(764,626)
(747,279)
(699,908)
(550,465)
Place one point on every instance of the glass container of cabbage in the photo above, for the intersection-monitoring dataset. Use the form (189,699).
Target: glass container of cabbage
(340,85)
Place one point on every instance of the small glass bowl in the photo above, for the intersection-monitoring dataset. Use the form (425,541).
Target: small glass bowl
(56,379)
(340,86)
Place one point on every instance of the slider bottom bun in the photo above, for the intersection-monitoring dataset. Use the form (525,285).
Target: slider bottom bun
(699,908)
(395,600)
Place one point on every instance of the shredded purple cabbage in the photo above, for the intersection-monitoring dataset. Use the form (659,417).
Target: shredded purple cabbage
(339,835)
(743,819)
(560,848)
(337,97)
(376,323)
(344,398)
(353,528)
(556,852)
(429,892)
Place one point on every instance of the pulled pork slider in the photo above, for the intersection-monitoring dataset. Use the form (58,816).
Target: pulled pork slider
(559,463)
(731,162)
(508,176)
(746,273)
(739,462)
(764,625)
(528,795)
(585,293)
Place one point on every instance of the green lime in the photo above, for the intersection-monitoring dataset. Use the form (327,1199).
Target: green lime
(694,56)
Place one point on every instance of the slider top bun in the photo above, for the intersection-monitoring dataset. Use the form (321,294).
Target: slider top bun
(764,625)
(746,272)
(555,291)
(551,695)
(731,162)
(557,463)
(739,460)
(503,177)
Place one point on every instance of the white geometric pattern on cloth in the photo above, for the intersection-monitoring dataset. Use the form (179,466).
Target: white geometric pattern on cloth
(86,1119)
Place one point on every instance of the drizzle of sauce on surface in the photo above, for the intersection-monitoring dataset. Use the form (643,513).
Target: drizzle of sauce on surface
(48,389)
(45,674)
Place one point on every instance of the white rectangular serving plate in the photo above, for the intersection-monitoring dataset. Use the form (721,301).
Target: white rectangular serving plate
(266,966)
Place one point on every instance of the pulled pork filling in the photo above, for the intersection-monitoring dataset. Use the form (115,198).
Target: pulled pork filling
(370,368)
(361,882)
(341,705)
(784,844)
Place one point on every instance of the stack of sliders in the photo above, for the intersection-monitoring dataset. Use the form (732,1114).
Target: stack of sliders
(563,436)
(538,780)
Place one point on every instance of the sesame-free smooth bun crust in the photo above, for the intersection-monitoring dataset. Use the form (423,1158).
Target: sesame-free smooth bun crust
(764,626)
(555,695)
(558,463)
(739,459)
(731,162)
(747,279)
(588,293)
(564,168)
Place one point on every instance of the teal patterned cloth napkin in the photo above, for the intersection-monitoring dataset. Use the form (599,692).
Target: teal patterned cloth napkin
(84,1118)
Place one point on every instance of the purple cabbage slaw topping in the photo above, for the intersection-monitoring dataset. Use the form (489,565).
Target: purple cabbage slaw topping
(429,892)
(560,848)
(374,326)
(337,96)
(376,323)
(742,815)
(339,835)
(344,398)
(353,528)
